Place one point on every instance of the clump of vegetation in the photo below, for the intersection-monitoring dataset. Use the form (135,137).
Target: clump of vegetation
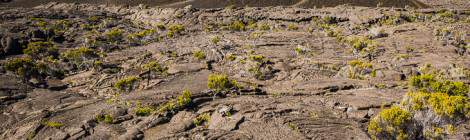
(175,29)
(141,35)
(106,118)
(126,84)
(181,102)
(358,69)
(231,57)
(440,103)
(215,39)
(428,83)
(52,124)
(184,99)
(219,82)
(114,35)
(39,50)
(237,26)
(200,119)
(264,27)
(199,55)
(292,26)
(390,124)
(79,54)
(21,66)
(154,66)
(143,111)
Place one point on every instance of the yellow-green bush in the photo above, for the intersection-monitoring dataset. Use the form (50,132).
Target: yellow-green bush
(440,103)
(184,99)
(20,66)
(143,111)
(52,124)
(199,55)
(79,54)
(205,117)
(41,49)
(155,67)
(237,26)
(114,34)
(126,84)
(428,83)
(390,124)
(106,118)
(218,82)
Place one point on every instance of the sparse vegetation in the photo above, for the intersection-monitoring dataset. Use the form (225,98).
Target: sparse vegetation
(292,26)
(114,35)
(390,124)
(237,26)
(52,124)
(106,118)
(200,55)
(215,39)
(205,117)
(219,82)
(143,111)
(126,84)
(41,50)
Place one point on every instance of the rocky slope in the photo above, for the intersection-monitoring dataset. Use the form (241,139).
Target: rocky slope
(73,71)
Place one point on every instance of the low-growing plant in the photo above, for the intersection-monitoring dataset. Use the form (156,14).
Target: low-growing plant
(292,26)
(215,39)
(428,83)
(154,66)
(79,54)
(390,124)
(21,66)
(52,124)
(143,111)
(440,103)
(200,119)
(126,84)
(237,26)
(184,99)
(358,69)
(106,118)
(199,55)
(114,34)
(39,50)
(219,82)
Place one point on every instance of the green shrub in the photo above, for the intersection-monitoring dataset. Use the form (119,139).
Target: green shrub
(361,43)
(358,69)
(114,34)
(143,111)
(237,26)
(184,99)
(141,34)
(155,67)
(215,39)
(181,102)
(428,83)
(442,104)
(199,55)
(218,82)
(20,66)
(52,124)
(176,28)
(41,50)
(106,118)
(126,84)
(79,54)
(390,124)
(264,27)
(292,26)
(258,58)
(205,117)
